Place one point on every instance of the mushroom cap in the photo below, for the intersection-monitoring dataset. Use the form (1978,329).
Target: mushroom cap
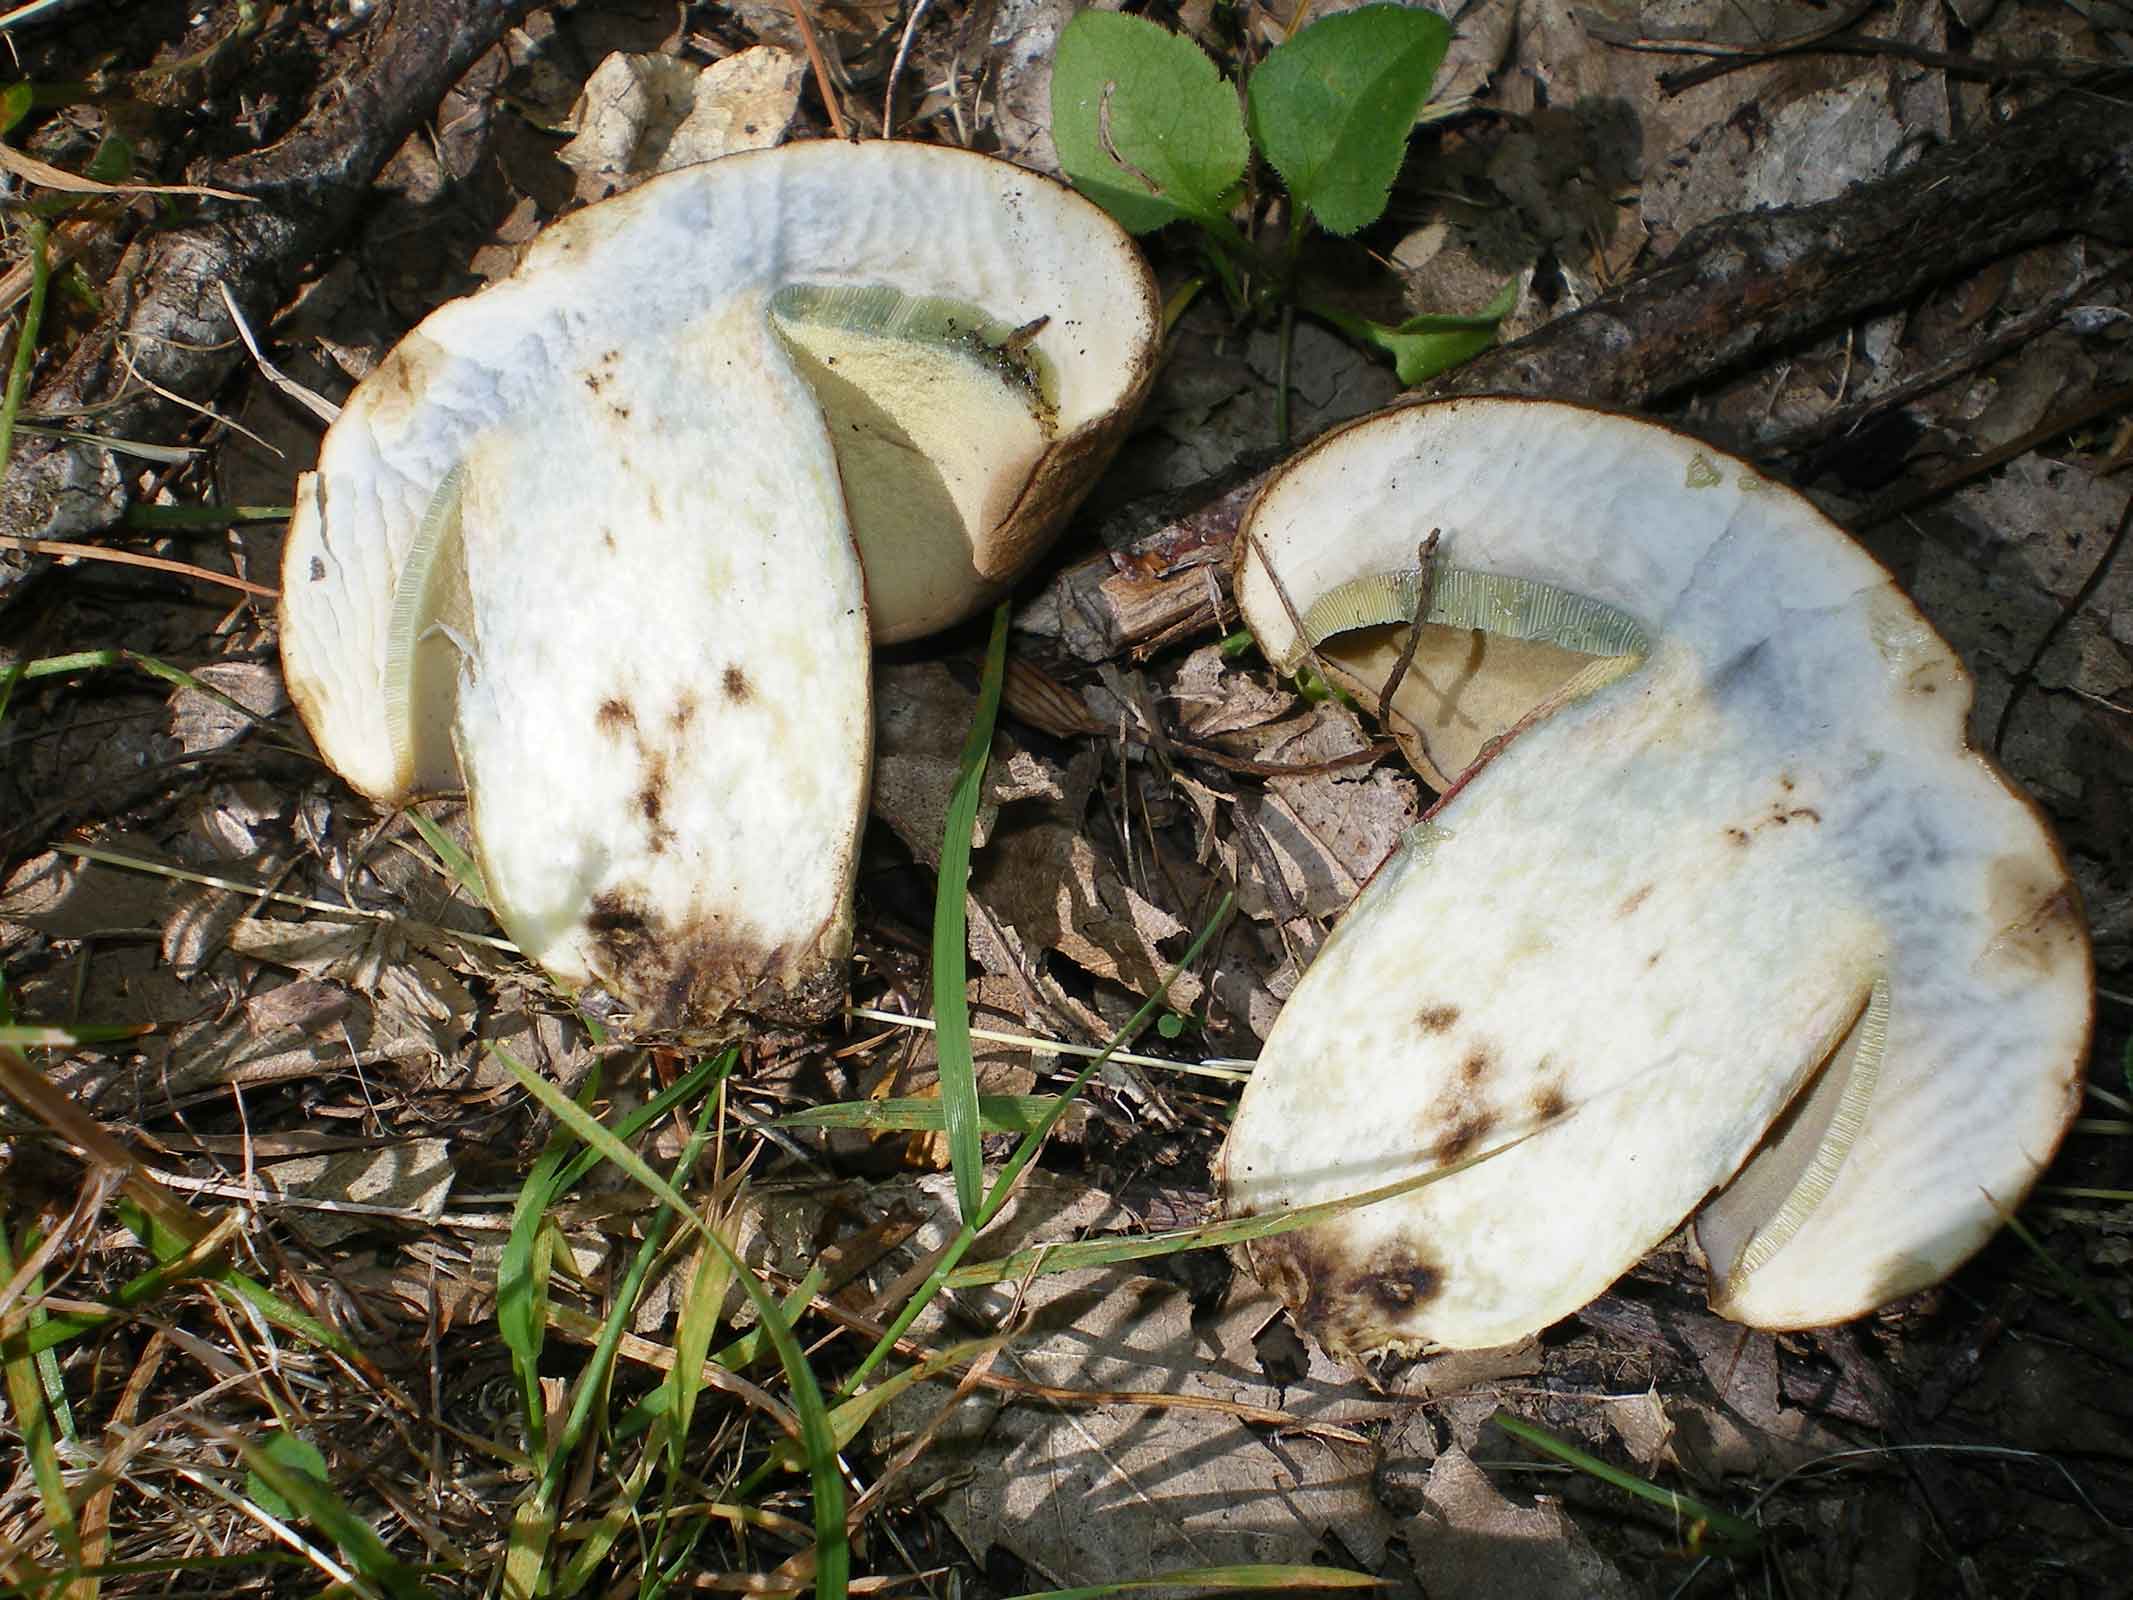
(584,541)
(1749,863)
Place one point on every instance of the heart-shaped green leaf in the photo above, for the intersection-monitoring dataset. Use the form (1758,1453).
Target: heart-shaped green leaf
(1332,108)
(1144,124)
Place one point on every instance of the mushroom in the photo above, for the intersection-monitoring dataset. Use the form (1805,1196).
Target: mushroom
(1728,919)
(584,542)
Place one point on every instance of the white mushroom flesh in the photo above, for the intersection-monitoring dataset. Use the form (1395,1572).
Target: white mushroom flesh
(582,544)
(1638,930)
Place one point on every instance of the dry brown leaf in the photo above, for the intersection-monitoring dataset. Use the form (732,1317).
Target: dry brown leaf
(1470,1540)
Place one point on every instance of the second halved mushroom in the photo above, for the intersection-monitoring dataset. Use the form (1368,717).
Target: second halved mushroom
(1734,909)
(584,542)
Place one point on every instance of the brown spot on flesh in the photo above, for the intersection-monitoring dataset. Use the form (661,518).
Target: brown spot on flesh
(736,682)
(607,539)
(1736,836)
(684,712)
(1460,1140)
(1475,1067)
(614,715)
(1550,1103)
(1436,1019)
(1635,899)
(2039,916)
(1351,1307)
(1398,1282)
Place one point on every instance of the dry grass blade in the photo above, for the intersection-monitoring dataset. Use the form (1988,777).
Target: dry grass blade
(46,176)
(33,1091)
(1227,1071)
(131,558)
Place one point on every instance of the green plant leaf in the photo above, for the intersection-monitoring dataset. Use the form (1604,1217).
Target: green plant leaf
(310,1496)
(112,162)
(1144,124)
(1424,346)
(297,1454)
(1332,108)
(15,102)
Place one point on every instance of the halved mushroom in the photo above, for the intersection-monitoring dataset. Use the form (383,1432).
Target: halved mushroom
(1734,906)
(584,542)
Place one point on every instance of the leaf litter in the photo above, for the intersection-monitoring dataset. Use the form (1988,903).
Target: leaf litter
(1098,854)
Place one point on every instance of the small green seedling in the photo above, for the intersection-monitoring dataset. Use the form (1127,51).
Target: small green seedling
(1147,127)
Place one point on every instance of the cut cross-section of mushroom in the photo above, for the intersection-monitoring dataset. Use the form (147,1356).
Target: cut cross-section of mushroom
(584,542)
(1734,901)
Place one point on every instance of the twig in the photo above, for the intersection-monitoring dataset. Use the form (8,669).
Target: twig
(1895,505)
(1843,419)
(805,24)
(896,67)
(2082,596)
(1425,574)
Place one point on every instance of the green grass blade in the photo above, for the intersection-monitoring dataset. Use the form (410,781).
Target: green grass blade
(951,1005)
(522,1271)
(851,1416)
(182,519)
(1702,1520)
(463,868)
(1222,1580)
(35,232)
(747,1350)
(833,1553)
(2078,1291)
(1025,1153)
(1046,1259)
(521,1279)
(694,1325)
(163,671)
(172,1268)
(33,1424)
(997,1113)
